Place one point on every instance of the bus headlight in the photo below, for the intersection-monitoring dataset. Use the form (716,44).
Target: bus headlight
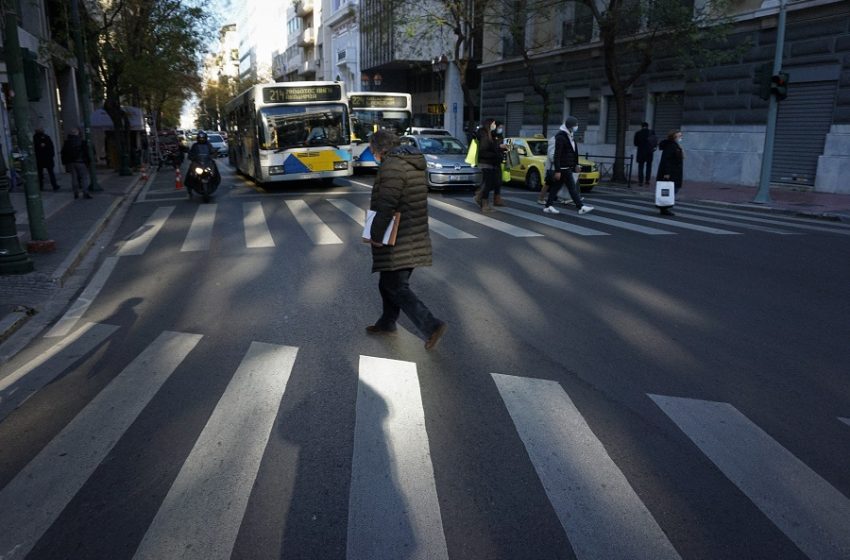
(340,165)
(276,170)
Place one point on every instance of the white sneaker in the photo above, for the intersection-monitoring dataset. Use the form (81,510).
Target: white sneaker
(585,209)
(551,210)
(541,201)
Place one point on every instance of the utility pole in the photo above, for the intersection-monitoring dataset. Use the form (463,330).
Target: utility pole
(13,259)
(39,243)
(763,193)
(85,95)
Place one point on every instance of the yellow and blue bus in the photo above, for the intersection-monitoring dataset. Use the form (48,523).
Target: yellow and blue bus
(290,131)
(372,111)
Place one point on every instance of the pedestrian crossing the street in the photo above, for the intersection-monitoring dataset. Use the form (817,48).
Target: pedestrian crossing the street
(458,219)
(397,495)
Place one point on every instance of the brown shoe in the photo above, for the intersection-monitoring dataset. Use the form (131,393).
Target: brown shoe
(497,200)
(375,329)
(436,335)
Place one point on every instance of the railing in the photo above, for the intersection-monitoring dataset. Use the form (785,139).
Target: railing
(606,167)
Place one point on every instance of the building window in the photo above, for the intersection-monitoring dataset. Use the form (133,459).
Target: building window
(578,29)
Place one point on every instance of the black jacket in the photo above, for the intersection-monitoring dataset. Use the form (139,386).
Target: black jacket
(565,156)
(645,141)
(671,166)
(44,149)
(400,187)
(201,150)
(75,150)
(489,152)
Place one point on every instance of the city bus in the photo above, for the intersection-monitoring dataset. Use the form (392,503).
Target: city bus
(290,131)
(375,110)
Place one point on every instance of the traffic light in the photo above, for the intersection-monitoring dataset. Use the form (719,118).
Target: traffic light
(761,82)
(779,85)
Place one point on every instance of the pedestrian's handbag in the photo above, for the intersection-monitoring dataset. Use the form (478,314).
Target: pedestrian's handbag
(665,193)
(389,235)
(472,153)
(564,193)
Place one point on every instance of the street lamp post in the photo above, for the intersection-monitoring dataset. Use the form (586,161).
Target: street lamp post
(13,259)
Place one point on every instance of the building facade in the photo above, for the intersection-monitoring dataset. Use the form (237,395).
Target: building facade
(723,121)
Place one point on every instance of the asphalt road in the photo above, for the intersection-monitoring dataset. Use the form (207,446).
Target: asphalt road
(636,387)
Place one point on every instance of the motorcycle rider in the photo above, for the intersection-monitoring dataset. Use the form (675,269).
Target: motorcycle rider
(201,153)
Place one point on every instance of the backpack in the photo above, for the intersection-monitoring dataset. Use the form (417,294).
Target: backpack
(550,152)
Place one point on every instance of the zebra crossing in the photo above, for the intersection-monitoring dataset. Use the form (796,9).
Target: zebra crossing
(458,219)
(394,500)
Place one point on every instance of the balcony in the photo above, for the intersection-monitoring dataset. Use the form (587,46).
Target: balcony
(306,38)
(303,7)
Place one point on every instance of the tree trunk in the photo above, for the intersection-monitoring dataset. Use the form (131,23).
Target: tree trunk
(619,173)
(119,123)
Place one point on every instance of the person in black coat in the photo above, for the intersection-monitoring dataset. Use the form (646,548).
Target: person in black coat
(400,186)
(645,142)
(564,166)
(44,155)
(671,166)
(75,157)
(490,163)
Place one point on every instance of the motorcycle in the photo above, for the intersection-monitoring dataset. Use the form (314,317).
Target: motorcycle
(202,177)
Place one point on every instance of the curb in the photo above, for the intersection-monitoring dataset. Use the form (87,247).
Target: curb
(13,321)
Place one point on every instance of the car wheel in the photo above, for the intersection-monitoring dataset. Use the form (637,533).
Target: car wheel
(532,180)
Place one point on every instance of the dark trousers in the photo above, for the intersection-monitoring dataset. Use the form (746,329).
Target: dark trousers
(566,179)
(50,174)
(492,181)
(644,170)
(397,296)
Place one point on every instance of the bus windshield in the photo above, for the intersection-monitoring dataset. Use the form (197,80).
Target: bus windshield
(364,123)
(297,126)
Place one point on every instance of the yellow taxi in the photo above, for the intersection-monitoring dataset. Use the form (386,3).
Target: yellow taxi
(530,152)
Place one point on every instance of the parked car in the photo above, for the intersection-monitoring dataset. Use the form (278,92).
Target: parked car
(218,143)
(444,156)
(532,161)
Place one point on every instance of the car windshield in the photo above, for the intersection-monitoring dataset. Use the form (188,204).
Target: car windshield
(442,145)
(215,138)
(537,147)
(298,126)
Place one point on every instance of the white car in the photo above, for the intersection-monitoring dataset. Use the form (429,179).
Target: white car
(218,143)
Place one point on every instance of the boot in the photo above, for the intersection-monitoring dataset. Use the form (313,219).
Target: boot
(497,200)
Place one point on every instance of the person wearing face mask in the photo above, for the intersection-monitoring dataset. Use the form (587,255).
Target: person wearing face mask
(671,166)
(490,162)
(564,164)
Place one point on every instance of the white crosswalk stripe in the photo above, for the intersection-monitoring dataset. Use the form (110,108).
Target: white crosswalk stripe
(312,225)
(33,500)
(785,221)
(486,221)
(393,505)
(200,232)
(666,221)
(359,215)
(138,241)
(393,510)
(600,512)
(257,234)
(809,510)
(201,515)
(600,220)
(74,313)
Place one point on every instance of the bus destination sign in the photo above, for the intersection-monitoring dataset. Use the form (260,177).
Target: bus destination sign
(295,94)
(377,101)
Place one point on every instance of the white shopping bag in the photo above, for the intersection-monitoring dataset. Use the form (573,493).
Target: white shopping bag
(665,193)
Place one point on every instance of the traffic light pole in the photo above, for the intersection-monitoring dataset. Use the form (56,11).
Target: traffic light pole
(763,193)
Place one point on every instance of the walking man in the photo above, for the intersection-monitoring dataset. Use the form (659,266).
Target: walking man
(400,186)
(565,167)
(645,142)
(45,153)
(75,158)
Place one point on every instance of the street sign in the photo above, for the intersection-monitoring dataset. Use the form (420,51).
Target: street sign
(436,108)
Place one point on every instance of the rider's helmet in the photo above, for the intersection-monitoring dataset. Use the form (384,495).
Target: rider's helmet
(202,137)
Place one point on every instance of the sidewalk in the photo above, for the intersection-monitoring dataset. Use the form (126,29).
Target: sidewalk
(786,200)
(73,225)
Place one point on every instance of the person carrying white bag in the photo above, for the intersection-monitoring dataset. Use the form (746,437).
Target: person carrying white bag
(670,172)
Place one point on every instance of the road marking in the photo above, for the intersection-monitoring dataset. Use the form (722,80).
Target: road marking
(551,222)
(201,515)
(257,232)
(317,230)
(600,220)
(33,500)
(138,241)
(785,218)
(599,510)
(21,385)
(845,420)
(810,511)
(781,221)
(359,215)
(82,303)
(666,221)
(200,232)
(484,220)
(691,216)
(393,511)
